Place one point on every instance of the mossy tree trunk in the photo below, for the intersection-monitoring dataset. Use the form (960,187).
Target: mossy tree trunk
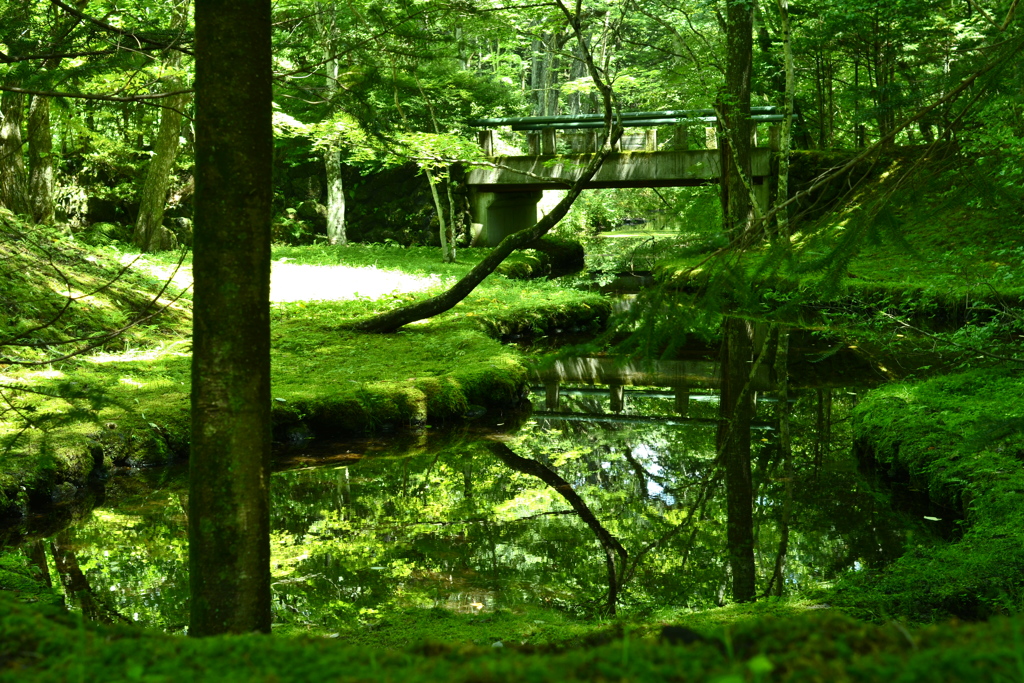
(786,132)
(734,118)
(150,234)
(229,502)
(13,182)
(40,160)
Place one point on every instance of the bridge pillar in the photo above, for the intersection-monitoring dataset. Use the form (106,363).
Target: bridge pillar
(762,193)
(500,214)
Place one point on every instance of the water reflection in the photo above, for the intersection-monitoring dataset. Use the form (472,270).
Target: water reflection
(437,520)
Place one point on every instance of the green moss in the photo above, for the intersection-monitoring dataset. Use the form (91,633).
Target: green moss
(960,438)
(42,644)
(131,408)
(926,249)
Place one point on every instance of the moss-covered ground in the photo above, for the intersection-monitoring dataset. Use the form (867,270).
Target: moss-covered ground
(125,402)
(959,437)
(49,644)
(918,240)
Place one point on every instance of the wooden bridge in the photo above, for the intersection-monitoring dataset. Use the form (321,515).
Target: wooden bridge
(503,197)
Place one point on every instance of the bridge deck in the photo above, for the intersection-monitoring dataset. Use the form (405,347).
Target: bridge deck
(623,169)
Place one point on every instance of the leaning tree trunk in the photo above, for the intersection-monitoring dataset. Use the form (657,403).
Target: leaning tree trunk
(150,234)
(229,477)
(393,320)
(40,160)
(13,185)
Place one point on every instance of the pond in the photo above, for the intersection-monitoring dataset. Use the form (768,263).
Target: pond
(517,512)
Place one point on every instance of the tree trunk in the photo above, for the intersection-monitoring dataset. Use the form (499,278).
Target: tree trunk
(13,185)
(736,410)
(332,155)
(734,117)
(539,75)
(454,216)
(335,197)
(229,501)
(40,161)
(150,234)
(786,134)
(447,245)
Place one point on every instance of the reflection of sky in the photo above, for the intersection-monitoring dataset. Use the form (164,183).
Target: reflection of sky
(648,457)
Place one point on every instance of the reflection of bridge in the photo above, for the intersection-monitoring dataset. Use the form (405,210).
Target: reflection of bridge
(678,376)
(504,196)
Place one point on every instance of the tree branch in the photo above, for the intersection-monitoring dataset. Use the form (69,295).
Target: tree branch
(122,32)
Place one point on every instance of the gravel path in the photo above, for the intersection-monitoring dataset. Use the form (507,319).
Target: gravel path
(291,282)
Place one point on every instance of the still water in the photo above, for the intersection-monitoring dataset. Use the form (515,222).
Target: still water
(438,519)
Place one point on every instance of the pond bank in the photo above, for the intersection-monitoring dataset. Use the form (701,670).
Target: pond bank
(131,409)
(960,438)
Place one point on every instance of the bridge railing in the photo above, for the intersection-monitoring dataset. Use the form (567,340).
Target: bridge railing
(579,134)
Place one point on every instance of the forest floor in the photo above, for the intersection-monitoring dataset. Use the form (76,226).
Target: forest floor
(958,436)
(125,402)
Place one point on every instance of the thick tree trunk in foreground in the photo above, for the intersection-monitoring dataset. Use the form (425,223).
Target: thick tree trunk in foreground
(736,410)
(229,502)
(40,161)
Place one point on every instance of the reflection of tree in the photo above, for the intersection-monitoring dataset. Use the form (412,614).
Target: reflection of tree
(401,526)
(76,584)
(777,580)
(615,554)
(736,408)
(823,424)
(36,553)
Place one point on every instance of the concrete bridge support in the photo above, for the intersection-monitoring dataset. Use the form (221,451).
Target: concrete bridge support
(496,215)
